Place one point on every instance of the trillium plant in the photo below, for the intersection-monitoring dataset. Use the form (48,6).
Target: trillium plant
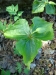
(28,38)
(39,6)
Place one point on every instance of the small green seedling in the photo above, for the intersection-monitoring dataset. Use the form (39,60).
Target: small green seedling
(19,68)
(13,10)
(26,71)
(39,5)
(3,72)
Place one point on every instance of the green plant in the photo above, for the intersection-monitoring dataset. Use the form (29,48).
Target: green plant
(39,5)
(3,72)
(19,67)
(28,39)
(2,25)
(26,71)
(13,10)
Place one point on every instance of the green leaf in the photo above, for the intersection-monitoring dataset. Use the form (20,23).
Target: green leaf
(5,22)
(38,6)
(28,48)
(45,1)
(19,30)
(11,10)
(20,13)
(26,71)
(42,29)
(2,27)
(15,18)
(51,2)
(16,8)
(16,52)
(3,72)
(19,67)
(50,9)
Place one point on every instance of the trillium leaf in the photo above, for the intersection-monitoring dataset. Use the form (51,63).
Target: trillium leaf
(45,37)
(51,2)
(42,29)
(45,1)
(28,48)
(38,6)
(50,9)
(19,30)
(2,26)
